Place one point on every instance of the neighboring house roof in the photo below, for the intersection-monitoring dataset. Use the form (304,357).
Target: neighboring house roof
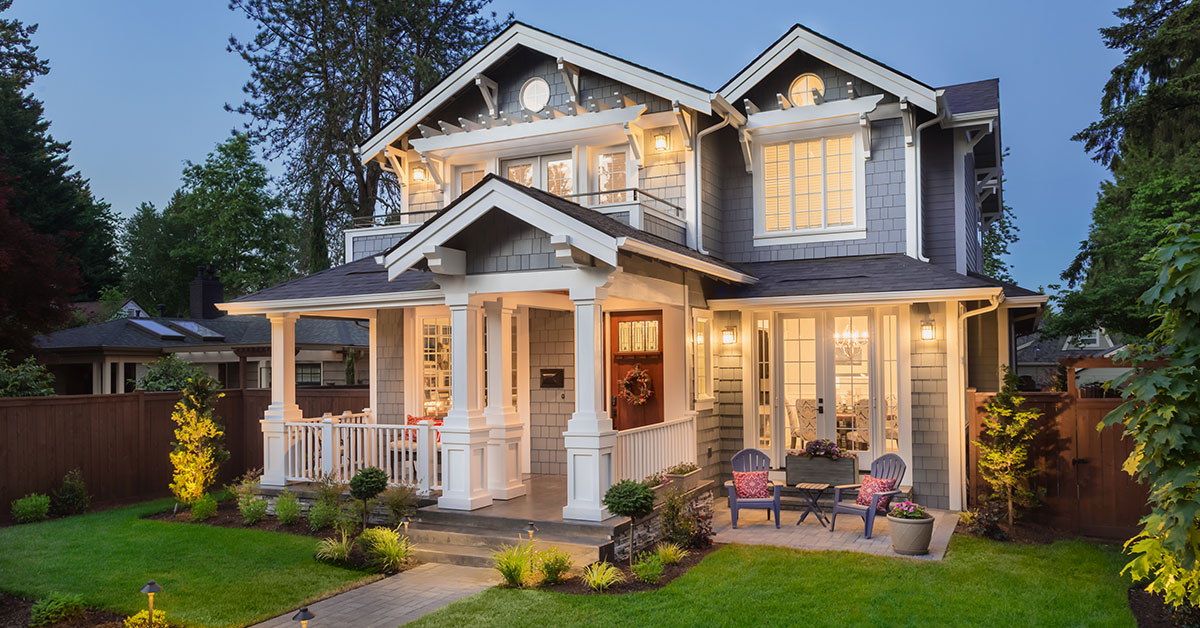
(94,309)
(521,34)
(856,275)
(234,330)
(971,97)
(1034,349)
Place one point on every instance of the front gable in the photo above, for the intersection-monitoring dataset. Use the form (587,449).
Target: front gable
(499,242)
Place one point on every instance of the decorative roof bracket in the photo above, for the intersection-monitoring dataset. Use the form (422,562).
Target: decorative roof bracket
(865,124)
(445,261)
(490,92)
(568,255)
(570,74)
(744,139)
(686,122)
(906,115)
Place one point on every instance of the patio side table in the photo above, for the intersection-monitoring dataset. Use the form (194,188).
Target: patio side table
(812,491)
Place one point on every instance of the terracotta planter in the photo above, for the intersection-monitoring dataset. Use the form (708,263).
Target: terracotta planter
(687,481)
(819,469)
(910,537)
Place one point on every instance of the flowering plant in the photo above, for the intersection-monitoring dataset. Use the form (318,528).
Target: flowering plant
(656,478)
(824,448)
(909,510)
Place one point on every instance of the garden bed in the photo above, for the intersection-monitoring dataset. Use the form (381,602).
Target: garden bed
(575,584)
(228,516)
(14,613)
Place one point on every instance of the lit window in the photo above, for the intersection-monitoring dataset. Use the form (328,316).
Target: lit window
(467,178)
(559,176)
(801,92)
(535,94)
(308,373)
(809,184)
(610,175)
(520,173)
(702,356)
(435,366)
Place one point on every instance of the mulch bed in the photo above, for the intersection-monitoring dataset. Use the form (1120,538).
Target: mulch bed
(1152,612)
(14,613)
(1033,534)
(575,584)
(228,516)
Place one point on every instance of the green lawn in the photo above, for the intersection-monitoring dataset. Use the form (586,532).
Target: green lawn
(981,583)
(210,576)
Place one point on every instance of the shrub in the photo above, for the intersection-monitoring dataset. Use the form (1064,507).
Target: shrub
(25,379)
(199,449)
(72,497)
(984,521)
(648,568)
(515,563)
(602,575)
(1004,448)
(346,521)
(204,508)
(670,553)
(385,549)
(31,508)
(629,499)
(287,508)
(253,509)
(365,486)
(334,549)
(322,515)
(399,501)
(554,564)
(329,491)
(55,608)
(170,372)
(142,620)
(683,523)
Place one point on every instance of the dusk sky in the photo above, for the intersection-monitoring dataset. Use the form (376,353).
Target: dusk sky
(138,87)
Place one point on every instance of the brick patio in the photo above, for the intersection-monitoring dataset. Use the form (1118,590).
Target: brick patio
(754,529)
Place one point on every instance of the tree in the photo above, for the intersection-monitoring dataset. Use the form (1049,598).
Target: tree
(224,214)
(628,498)
(996,239)
(170,373)
(24,379)
(199,449)
(1004,447)
(326,76)
(1149,137)
(46,192)
(1161,413)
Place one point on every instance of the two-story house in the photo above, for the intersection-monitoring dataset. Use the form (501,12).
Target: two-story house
(600,271)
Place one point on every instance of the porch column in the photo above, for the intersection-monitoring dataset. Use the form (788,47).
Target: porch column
(590,438)
(505,429)
(465,432)
(283,398)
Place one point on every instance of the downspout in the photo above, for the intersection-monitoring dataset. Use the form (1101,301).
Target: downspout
(960,363)
(918,204)
(699,222)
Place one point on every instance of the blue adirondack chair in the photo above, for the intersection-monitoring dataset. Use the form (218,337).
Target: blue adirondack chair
(752,460)
(886,467)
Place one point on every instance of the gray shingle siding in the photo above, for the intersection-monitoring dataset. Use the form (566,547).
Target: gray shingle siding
(498,242)
(984,355)
(663,229)
(930,441)
(372,245)
(551,345)
(723,432)
(938,190)
(662,174)
(710,194)
(780,79)
(974,252)
(390,387)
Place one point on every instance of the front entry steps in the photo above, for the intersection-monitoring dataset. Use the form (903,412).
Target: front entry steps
(473,546)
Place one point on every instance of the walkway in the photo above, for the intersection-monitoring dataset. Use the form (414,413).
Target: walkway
(754,529)
(395,600)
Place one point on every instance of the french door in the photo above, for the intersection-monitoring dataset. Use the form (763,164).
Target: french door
(552,173)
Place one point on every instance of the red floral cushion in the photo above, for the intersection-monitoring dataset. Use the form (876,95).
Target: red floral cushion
(870,486)
(751,484)
(414,420)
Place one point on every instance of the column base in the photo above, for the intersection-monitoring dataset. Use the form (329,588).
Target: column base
(590,471)
(464,468)
(275,451)
(504,456)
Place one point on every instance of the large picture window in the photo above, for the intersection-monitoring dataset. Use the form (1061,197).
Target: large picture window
(809,185)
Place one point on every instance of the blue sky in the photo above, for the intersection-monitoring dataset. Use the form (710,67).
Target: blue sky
(138,86)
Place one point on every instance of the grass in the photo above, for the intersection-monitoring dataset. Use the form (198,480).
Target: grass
(210,576)
(981,583)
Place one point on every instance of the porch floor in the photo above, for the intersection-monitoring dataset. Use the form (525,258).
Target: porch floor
(754,529)
(543,502)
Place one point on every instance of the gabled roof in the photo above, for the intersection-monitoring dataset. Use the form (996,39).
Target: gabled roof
(237,331)
(803,39)
(521,34)
(590,231)
(972,97)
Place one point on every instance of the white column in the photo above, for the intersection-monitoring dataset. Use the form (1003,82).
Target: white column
(956,400)
(590,438)
(283,397)
(465,433)
(505,429)
(106,377)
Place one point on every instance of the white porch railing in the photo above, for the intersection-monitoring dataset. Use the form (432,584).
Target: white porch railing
(652,448)
(406,453)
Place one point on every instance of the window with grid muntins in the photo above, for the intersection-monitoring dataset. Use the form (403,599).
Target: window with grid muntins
(809,184)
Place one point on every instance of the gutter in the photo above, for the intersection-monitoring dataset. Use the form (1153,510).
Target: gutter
(727,113)
(917,202)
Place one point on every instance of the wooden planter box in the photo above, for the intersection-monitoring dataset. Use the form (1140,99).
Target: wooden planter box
(687,481)
(821,470)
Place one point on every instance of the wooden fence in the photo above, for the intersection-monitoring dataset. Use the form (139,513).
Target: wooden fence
(121,442)
(1080,468)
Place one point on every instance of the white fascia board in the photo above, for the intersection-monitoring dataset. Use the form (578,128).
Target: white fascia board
(972,118)
(502,196)
(334,303)
(536,130)
(517,35)
(825,111)
(854,298)
(1027,300)
(840,57)
(715,270)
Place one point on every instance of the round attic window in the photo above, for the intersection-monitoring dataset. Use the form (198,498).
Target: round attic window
(801,91)
(535,94)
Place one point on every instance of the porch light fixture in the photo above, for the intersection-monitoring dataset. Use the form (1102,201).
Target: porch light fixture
(150,589)
(662,142)
(928,332)
(729,335)
(530,530)
(302,616)
(418,174)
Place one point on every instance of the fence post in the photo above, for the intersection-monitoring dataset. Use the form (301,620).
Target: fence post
(326,444)
(424,459)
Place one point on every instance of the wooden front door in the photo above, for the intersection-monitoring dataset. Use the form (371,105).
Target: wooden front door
(636,339)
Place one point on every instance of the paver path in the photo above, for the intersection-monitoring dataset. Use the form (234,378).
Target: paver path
(395,600)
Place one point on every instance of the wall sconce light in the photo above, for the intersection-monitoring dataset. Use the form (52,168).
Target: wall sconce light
(928,331)
(662,142)
(729,335)
(418,174)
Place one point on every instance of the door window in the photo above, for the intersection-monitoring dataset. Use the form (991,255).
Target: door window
(852,383)
(801,400)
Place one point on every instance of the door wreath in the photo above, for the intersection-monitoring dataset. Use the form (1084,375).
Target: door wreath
(636,387)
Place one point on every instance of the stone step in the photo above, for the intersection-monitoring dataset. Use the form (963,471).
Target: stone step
(510,526)
(478,553)
(425,533)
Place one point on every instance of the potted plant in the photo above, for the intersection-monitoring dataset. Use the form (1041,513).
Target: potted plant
(685,475)
(821,461)
(911,528)
(658,483)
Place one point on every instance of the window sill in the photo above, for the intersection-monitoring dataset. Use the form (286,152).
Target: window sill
(794,237)
(704,403)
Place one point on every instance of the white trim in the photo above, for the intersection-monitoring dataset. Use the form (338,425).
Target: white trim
(763,120)
(956,399)
(557,47)
(679,259)
(800,39)
(749,331)
(958,154)
(904,375)
(335,303)
(702,401)
(536,132)
(853,298)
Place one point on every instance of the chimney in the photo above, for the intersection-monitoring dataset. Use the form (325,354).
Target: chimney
(162,310)
(206,292)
